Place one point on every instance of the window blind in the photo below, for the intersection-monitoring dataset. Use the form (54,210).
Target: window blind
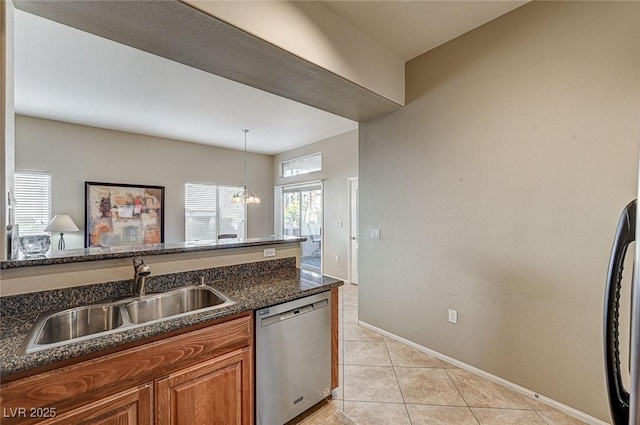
(200,212)
(210,212)
(230,216)
(32,190)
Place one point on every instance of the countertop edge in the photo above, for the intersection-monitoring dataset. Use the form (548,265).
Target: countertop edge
(100,254)
(21,364)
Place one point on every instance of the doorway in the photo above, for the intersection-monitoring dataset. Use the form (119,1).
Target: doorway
(302,216)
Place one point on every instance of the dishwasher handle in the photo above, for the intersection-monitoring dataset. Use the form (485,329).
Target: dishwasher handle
(298,311)
(295,312)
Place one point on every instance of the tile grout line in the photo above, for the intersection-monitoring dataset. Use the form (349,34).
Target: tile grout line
(461,396)
(527,399)
(394,374)
(542,417)
(404,402)
(396,403)
(553,405)
(393,366)
(474,415)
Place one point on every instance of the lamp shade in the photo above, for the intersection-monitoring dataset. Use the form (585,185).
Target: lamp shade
(61,223)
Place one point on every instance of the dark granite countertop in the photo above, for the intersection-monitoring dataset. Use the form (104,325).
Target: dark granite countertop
(250,293)
(116,252)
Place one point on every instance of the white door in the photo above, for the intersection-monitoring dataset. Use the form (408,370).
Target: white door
(353,231)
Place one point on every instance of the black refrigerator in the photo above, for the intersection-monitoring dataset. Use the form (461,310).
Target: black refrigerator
(624,402)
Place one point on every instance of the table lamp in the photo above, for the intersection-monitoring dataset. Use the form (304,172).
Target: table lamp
(61,223)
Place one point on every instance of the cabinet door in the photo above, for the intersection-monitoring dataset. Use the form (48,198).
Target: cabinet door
(215,392)
(130,407)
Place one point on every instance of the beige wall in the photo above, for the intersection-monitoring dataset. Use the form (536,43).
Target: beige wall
(311,31)
(76,153)
(497,190)
(339,163)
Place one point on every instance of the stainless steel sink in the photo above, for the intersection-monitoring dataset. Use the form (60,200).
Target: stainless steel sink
(58,328)
(79,322)
(178,302)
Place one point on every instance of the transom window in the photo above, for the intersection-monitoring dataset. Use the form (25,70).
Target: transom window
(303,165)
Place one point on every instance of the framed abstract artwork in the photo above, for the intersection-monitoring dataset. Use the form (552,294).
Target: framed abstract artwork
(123,214)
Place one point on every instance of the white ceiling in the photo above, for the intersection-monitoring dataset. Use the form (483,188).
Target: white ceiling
(65,74)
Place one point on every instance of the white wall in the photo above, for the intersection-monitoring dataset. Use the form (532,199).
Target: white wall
(498,189)
(339,162)
(311,31)
(76,153)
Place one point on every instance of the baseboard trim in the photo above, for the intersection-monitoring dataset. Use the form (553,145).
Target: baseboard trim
(500,381)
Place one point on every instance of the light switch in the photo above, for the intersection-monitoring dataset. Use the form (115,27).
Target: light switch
(375,233)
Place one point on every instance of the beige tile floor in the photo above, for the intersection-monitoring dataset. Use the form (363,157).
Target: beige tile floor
(384,382)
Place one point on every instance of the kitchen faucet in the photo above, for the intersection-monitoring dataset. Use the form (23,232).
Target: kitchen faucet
(142,270)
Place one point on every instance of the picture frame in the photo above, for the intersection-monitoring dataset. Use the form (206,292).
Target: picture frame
(119,214)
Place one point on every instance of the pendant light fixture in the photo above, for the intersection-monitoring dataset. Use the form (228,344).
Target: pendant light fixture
(246,196)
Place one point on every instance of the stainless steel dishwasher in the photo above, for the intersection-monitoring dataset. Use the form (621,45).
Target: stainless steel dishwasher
(293,358)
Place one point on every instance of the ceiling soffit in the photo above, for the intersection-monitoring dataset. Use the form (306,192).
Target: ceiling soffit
(178,32)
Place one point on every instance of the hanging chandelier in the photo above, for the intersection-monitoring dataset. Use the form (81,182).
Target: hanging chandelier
(246,196)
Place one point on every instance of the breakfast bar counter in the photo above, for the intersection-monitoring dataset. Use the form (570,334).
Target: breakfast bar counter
(252,286)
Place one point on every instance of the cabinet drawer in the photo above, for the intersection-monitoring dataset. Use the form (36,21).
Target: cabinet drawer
(129,407)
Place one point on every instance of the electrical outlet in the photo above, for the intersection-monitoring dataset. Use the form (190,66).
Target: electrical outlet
(337,258)
(453,316)
(375,233)
(338,224)
(270,252)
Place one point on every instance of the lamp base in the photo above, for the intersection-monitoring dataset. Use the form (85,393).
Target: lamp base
(61,241)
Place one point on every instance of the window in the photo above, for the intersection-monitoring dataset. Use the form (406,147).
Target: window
(304,165)
(32,191)
(231,217)
(209,212)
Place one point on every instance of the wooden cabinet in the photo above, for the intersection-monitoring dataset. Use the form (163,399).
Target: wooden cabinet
(129,407)
(198,377)
(217,392)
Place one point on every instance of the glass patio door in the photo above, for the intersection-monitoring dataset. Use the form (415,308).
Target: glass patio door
(302,216)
